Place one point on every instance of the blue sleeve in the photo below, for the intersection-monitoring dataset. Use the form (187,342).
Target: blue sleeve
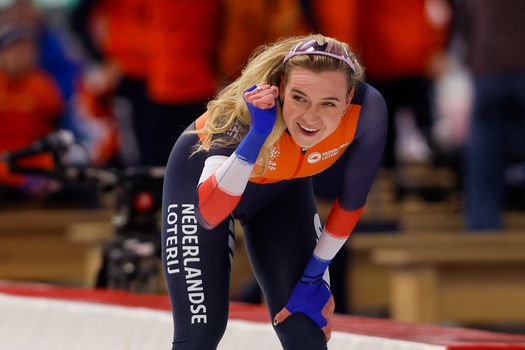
(365,152)
(55,60)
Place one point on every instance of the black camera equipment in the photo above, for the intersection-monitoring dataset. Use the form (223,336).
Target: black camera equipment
(131,257)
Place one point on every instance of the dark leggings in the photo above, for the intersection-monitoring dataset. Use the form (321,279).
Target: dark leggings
(279,230)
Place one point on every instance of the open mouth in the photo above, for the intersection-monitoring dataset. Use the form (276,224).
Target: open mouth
(307,131)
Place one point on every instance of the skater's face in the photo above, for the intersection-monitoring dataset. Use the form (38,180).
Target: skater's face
(314,103)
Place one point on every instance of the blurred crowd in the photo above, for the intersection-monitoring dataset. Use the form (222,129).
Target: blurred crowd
(127,77)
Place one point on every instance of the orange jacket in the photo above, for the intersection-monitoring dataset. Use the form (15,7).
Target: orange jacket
(29,107)
(120,28)
(400,37)
(338,19)
(249,24)
(183,37)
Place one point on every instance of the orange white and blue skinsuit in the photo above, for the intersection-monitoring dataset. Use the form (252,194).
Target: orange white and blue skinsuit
(204,192)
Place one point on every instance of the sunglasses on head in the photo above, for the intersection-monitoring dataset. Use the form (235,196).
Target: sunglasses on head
(329,48)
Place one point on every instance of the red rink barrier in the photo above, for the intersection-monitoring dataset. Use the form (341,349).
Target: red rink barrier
(442,337)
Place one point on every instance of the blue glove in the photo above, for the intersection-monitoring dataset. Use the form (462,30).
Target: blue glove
(262,121)
(311,293)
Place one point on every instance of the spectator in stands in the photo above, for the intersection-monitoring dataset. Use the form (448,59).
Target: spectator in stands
(114,34)
(30,103)
(182,75)
(493,33)
(246,25)
(158,60)
(54,55)
(402,45)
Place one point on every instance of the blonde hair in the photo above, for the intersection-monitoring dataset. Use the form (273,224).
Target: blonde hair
(266,65)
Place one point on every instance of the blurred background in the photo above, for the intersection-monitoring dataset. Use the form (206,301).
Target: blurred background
(94,93)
